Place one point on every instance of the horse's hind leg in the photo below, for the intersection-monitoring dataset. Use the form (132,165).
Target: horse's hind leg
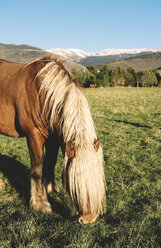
(38,199)
(51,152)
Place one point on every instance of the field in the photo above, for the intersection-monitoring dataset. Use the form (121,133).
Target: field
(128,122)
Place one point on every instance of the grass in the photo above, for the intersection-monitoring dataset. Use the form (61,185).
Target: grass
(128,124)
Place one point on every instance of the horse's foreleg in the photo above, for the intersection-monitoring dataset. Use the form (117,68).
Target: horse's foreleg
(38,199)
(51,152)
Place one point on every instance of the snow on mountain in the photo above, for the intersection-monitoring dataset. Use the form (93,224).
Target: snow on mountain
(127,51)
(77,54)
(70,53)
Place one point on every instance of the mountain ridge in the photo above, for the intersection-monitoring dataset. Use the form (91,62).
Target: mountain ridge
(139,63)
(109,55)
(27,53)
(140,59)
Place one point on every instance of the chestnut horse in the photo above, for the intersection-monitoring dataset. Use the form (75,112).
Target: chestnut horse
(42,102)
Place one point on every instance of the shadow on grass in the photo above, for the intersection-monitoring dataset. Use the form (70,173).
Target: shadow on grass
(133,124)
(157,114)
(19,178)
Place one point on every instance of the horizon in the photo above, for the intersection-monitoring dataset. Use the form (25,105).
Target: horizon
(86,25)
(71,48)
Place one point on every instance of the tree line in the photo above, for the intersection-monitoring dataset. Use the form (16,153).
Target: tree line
(107,77)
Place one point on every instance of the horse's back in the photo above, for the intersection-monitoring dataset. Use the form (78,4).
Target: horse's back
(8,94)
(8,72)
(9,68)
(19,102)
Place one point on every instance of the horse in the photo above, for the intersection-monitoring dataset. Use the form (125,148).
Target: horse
(42,102)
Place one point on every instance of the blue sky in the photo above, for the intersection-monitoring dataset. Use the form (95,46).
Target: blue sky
(90,25)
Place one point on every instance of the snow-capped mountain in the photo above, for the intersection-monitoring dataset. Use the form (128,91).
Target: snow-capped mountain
(102,57)
(80,54)
(127,51)
(71,53)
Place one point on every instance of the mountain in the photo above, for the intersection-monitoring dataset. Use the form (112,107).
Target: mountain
(102,57)
(139,59)
(127,51)
(139,63)
(26,53)
(71,53)
(20,53)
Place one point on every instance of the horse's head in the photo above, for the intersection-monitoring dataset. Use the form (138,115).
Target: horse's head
(84,179)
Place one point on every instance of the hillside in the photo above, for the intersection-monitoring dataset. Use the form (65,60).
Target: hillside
(139,59)
(140,63)
(25,54)
(124,59)
(73,54)
(103,56)
(20,53)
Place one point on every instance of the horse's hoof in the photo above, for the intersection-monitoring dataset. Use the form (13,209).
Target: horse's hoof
(46,208)
(43,206)
(50,187)
(2,185)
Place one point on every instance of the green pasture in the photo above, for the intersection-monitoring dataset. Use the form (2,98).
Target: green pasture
(128,122)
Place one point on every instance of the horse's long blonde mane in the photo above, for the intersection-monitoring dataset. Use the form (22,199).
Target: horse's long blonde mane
(66,100)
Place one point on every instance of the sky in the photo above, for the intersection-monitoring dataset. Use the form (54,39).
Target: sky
(89,25)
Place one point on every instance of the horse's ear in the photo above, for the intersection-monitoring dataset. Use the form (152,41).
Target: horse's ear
(70,149)
(96,144)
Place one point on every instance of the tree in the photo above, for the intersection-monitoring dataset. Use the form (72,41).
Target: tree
(118,77)
(103,76)
(100,79)
(138,78)
(157,74)
(92,70)
(149,79)
(83,77)
(131,77)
